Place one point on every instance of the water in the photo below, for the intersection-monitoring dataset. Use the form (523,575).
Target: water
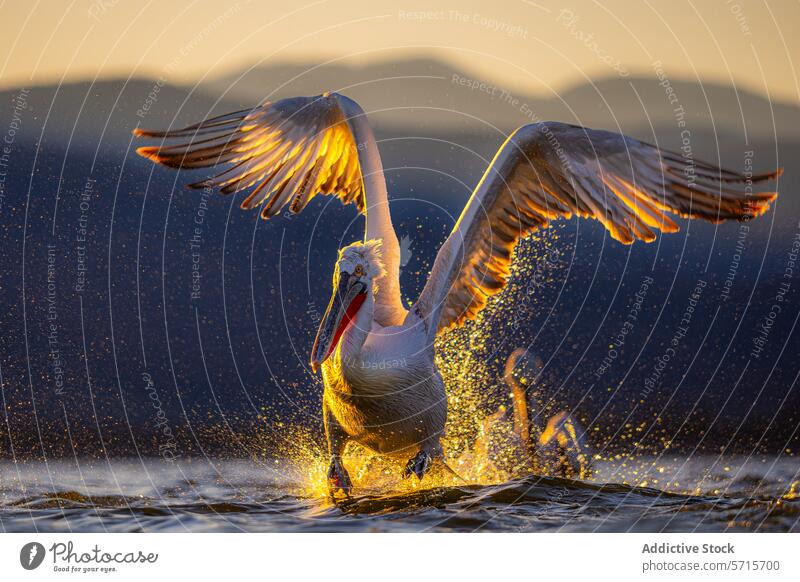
(697,494)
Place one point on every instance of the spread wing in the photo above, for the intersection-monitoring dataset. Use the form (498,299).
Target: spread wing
(547,171)
(284,153)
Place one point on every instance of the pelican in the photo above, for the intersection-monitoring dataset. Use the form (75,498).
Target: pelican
(382,387)
(560,448)
(514,451)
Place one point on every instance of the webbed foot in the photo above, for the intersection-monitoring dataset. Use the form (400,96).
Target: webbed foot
(338,478)
(418,465)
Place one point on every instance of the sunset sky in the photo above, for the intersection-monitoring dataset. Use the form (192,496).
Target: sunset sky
(540,46)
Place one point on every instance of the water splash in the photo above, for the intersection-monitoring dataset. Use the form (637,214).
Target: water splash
(480,441)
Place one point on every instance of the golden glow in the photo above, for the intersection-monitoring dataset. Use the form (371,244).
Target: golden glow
(480,442)
(540,47)
(480,446)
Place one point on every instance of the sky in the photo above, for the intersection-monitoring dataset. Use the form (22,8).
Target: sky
(537,46)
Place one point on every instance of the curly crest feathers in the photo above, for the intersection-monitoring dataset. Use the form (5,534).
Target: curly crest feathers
(368,254)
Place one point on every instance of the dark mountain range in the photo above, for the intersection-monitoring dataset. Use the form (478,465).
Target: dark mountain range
(429,94)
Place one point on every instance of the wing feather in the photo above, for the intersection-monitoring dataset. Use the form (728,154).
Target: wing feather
(284,152)
(547,171)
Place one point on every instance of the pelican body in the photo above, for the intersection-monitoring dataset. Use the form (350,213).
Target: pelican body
(382,386)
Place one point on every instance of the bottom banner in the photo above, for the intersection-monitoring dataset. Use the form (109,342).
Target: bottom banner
(356,557)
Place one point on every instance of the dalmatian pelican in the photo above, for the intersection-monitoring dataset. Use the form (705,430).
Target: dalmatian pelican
(560,449)
(382,388)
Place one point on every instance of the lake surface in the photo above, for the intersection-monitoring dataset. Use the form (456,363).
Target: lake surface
(647,494)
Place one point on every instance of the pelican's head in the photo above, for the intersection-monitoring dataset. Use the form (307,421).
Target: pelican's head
(359,264)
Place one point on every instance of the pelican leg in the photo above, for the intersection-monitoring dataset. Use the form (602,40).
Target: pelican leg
(338,477)
(418,465)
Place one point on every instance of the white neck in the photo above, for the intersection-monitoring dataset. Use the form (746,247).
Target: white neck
(379,221)
(389,310)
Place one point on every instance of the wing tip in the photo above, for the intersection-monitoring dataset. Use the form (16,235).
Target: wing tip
(777,173)
(757,208)
(764,176)
(141,132)
(201,185)
(761,177)
(268,212)
(149,152)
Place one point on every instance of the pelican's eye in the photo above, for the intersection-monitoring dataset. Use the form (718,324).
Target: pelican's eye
(358,271)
